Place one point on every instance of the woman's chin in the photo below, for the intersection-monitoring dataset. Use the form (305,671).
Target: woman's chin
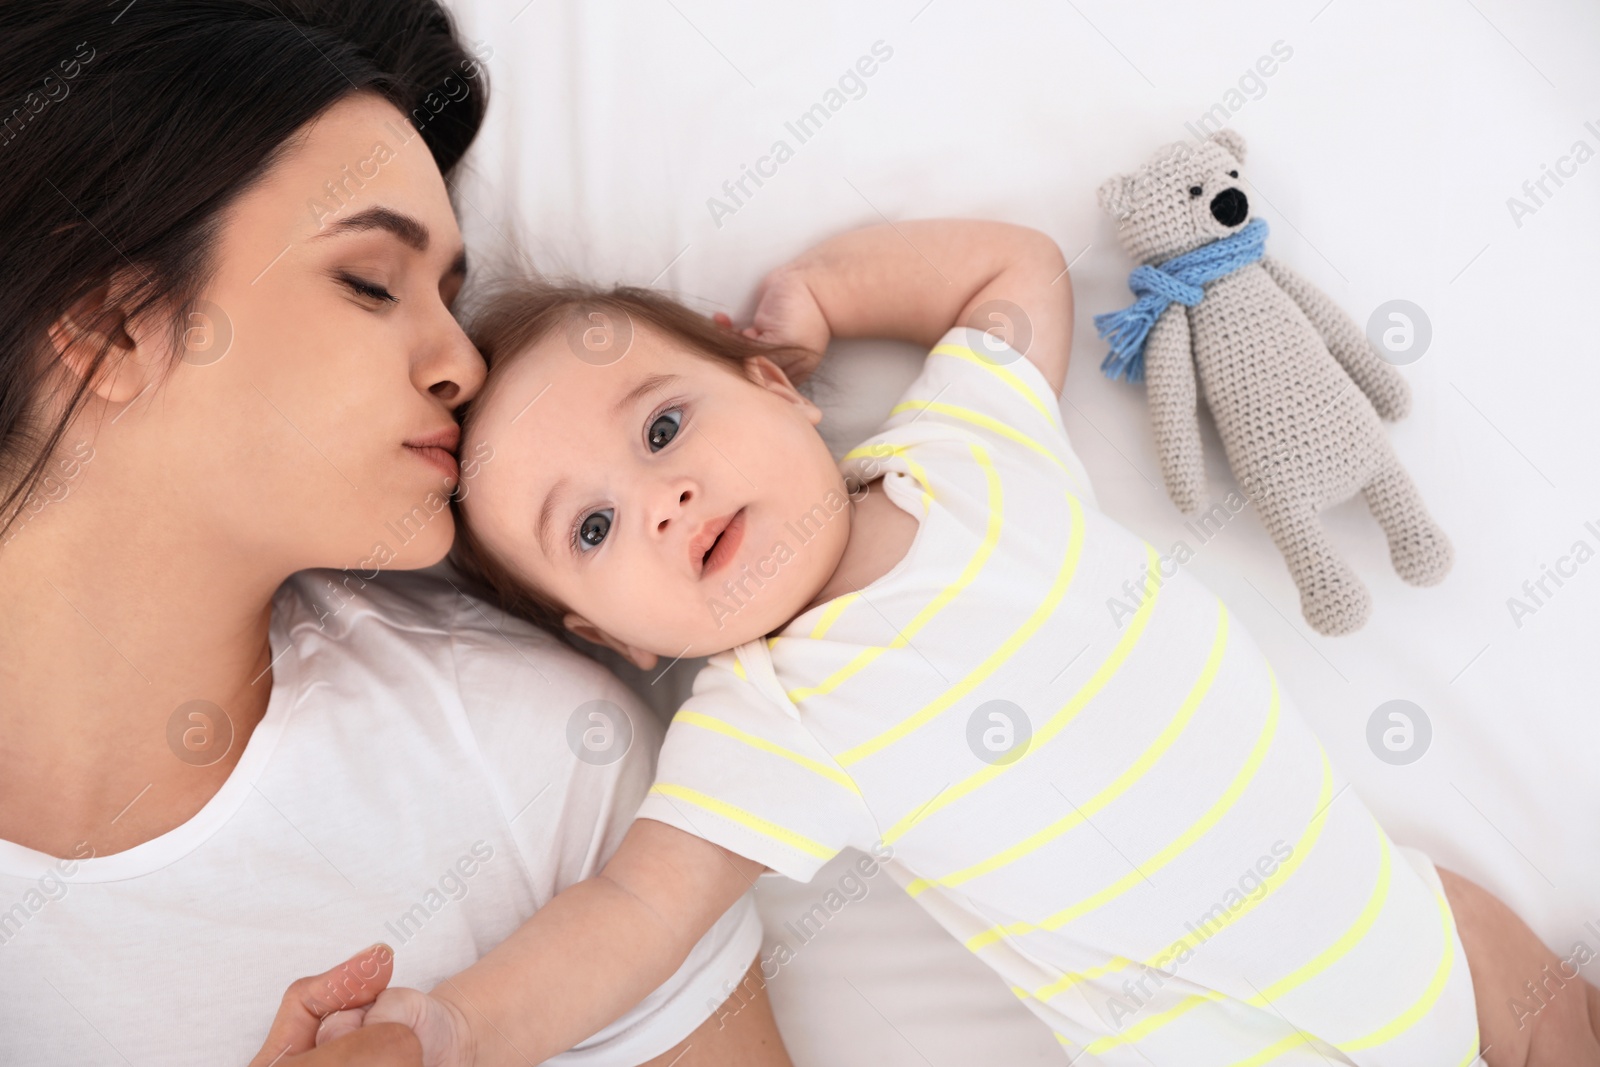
(426,549)
(408,541)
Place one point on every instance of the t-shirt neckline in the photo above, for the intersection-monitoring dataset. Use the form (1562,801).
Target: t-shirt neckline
(149,856)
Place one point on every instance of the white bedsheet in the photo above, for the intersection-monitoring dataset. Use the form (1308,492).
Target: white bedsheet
(1383,152)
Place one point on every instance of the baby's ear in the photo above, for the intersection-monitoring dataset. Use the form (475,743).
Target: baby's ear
(763,371)
(1116,196)
(591,633)
(1232,140)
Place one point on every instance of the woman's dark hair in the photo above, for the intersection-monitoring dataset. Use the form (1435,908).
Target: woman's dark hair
(511,315)
(126,129)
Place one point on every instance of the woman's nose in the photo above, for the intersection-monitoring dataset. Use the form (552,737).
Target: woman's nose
(453,369)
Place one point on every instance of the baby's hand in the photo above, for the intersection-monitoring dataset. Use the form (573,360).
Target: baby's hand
(446,1036)
(788,314)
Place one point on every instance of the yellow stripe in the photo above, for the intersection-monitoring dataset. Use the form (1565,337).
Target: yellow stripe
(1121,785)
(1056,723)
(1348,940)
(780,834)
(902,638)
(1235,788)
(738,669)
(903,451)
(1302,849)
(1016,383)
(829,616)
(1072,978)
(1329,956)
(1222,806)
(992,662)
(707,722)
(838,605)
(993,425)
(1142,1030)
(1424,1004)
(1400,1024)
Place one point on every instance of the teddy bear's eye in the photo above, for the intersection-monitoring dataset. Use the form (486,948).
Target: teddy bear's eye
(1195,190)
(1233,174)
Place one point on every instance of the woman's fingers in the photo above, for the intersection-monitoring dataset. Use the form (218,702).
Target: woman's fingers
(354,983)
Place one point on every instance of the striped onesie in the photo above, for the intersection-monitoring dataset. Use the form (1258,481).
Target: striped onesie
(1107,797)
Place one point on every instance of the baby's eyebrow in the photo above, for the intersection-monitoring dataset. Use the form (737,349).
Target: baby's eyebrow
(547,510)
(649,383)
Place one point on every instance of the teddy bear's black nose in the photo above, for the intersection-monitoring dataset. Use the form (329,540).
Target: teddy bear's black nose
(1229,207)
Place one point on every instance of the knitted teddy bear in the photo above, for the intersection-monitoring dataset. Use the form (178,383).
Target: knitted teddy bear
(1295,389)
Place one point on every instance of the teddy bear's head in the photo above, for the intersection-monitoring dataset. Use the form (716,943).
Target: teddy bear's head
(1184,196)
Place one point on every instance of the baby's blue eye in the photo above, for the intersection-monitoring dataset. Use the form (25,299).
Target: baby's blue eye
(665,428)
(592,529)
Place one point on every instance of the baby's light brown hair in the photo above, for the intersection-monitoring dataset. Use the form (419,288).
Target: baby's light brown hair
(511,318)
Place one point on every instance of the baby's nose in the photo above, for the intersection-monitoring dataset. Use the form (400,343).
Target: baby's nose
(674,509)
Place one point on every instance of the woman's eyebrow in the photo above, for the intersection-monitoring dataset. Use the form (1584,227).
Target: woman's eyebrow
(412,232)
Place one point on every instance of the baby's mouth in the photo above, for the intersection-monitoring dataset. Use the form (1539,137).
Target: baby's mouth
(725,545)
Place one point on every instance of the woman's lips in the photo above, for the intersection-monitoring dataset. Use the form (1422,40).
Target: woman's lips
(727,544)
(439,458)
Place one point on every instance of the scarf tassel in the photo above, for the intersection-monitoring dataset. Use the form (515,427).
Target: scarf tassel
(1179,280)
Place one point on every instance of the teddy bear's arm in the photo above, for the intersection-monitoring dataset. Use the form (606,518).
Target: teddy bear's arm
(1173,396)
(1384,386)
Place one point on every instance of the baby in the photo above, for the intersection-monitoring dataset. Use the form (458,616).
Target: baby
(911,653)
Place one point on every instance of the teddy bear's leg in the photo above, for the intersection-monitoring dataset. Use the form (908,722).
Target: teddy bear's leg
(1421,552)
(1333,600)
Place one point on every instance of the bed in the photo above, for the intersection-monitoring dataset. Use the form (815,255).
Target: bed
(1427,153)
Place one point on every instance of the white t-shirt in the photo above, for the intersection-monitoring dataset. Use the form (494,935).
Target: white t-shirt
(412,782)
(1103,793)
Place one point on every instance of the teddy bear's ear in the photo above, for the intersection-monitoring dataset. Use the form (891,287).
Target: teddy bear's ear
(1116,196)
(1232,140)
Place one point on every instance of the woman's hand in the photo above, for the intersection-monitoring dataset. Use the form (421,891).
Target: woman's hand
(293,1040)
(440,1026)
(787,313)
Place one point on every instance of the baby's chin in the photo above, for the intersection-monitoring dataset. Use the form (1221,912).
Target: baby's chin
(730,625)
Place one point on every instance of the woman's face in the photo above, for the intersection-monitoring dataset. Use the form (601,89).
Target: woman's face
(326,353)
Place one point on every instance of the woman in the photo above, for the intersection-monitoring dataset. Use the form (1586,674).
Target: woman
(227,355)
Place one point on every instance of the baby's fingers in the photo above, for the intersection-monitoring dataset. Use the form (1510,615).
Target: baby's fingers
(340,1023)
(446,1037)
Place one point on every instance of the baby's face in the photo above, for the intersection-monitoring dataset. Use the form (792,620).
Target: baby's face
(609,483)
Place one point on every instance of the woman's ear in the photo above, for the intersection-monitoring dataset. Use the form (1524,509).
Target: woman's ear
(95,324)
(767,374)
(595,636)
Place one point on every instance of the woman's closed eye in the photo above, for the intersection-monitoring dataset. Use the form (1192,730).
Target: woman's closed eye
(592,527)
(368,289)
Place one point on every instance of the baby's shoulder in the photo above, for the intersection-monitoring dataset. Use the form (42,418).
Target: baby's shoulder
(986,398)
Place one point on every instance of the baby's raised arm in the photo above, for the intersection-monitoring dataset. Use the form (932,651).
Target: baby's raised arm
(914,280)
(583,959)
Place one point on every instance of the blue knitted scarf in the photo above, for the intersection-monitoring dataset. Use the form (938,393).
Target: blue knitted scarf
(1179,280)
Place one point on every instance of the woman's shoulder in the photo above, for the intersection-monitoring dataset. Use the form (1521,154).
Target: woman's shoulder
(418,610)
(422,634)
